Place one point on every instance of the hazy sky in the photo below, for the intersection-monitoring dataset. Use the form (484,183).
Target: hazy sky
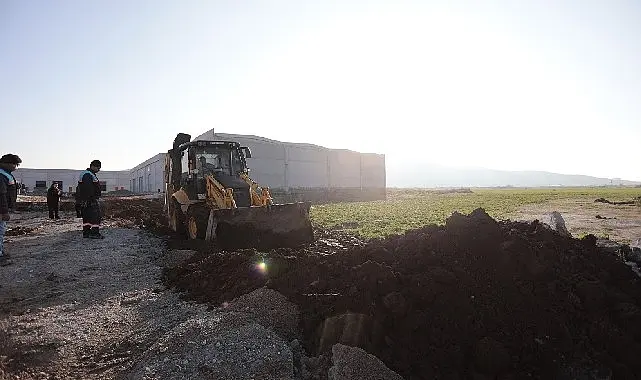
(518,85)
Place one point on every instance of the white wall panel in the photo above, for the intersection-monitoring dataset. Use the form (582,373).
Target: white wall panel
(306,153)
(307,173)
(266,150)
(344,169)
(267,172)
(373,170)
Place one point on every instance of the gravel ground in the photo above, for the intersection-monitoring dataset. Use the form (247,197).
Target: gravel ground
(81,308)
(95,309)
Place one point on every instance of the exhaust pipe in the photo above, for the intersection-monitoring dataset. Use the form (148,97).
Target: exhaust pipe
(181,138)
(176,164)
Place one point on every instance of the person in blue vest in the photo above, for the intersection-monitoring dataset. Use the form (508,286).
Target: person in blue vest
(8,194)
(88,192)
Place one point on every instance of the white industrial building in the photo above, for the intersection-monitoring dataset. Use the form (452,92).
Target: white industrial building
(297,170)
(293,165)
(38,180)
(148,177)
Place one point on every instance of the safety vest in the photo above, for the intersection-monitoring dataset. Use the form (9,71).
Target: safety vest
(10,178)
(82,174)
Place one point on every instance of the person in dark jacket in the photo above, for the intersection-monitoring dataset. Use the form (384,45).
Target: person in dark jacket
(8,194)
(88,193)
(53,200)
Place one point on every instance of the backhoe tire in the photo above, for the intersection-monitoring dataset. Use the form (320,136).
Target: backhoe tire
(176,217)
(196,221)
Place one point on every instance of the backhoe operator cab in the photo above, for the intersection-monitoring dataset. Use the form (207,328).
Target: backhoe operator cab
(224,160)
(209,195)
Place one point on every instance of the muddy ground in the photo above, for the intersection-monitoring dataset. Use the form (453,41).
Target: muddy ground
(476,299)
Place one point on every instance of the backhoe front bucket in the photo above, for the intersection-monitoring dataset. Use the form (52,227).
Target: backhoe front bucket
(281,225)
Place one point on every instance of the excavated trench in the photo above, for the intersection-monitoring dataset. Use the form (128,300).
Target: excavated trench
(474,297)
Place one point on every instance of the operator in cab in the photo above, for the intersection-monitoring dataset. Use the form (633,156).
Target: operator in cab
(212,163)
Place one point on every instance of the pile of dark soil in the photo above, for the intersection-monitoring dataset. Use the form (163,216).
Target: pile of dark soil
(250,235)
(241,271)
(475,298)
(144,213)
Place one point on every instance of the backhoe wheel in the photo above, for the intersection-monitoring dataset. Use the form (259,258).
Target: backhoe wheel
(176,217)
(196,221)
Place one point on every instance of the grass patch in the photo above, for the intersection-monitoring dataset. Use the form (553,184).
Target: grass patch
(406,209)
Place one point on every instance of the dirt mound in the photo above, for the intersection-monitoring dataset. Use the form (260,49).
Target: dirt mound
(474,296)
(242,271)
(144,213)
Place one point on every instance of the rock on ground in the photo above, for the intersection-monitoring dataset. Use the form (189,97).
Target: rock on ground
(558,224)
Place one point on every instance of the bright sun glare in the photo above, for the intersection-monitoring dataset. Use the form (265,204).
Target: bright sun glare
(262,267)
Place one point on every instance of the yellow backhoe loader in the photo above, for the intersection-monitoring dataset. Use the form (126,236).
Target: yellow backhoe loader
(209,195)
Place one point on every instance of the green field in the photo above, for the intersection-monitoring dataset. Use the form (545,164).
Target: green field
(411,208)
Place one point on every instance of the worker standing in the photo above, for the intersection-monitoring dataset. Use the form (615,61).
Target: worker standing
(8,194)
(53,200)
(88,193)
